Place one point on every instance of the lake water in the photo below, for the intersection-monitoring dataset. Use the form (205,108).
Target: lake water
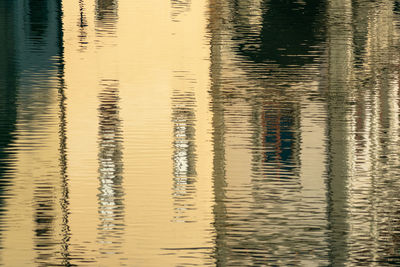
(199,133)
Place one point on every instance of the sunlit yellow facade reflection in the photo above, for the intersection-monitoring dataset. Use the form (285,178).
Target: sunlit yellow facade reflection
(170,44)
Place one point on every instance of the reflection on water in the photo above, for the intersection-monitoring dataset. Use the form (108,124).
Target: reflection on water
(269,209)
(111,206)
(82,25)
(8,109)
(106,15)
(280,142)
(183,117)
(179,7)
(64,199)
(280,32)
(228,133)
(31,90)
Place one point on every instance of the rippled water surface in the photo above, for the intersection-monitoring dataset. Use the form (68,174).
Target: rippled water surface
(207,133)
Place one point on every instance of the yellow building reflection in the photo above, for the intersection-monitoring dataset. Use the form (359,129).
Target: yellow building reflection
(148,93)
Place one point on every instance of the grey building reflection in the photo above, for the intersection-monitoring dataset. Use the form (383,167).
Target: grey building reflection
(363,130)
(184,155)
(281,140)
(216,19)
(217,108)
(340,49)
(356,56)
(257,59)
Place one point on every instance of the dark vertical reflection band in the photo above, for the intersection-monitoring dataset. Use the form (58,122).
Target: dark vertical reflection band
(8,98)
(111,205)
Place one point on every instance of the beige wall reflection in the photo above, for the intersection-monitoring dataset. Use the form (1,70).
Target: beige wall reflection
(145,48)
